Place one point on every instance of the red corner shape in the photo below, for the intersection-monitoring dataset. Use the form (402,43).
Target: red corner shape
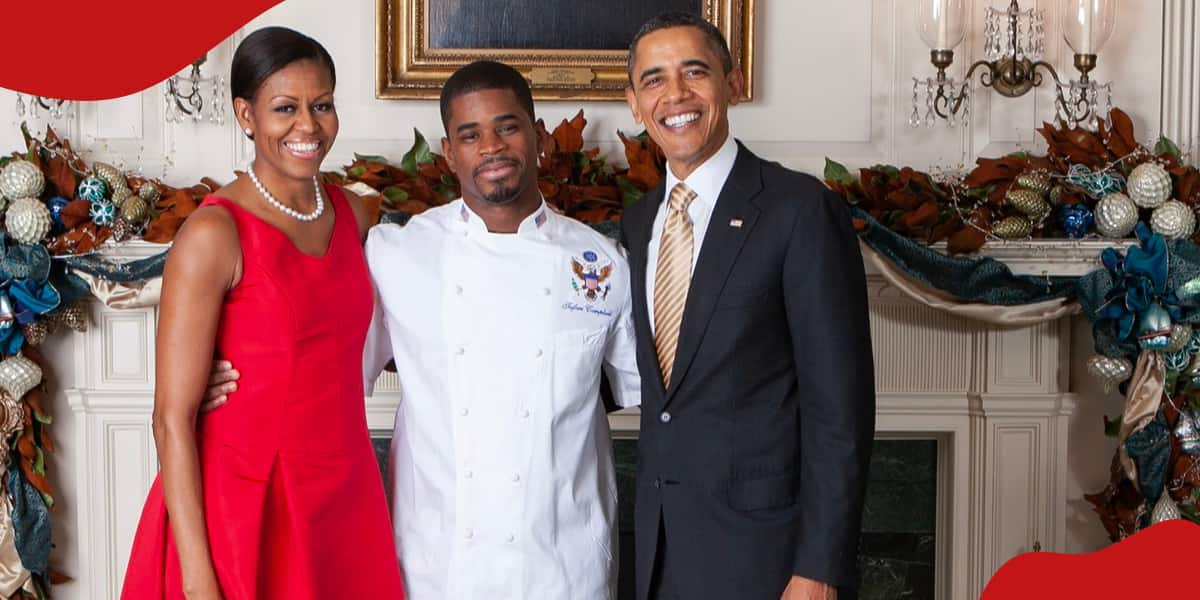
(89,50)
(1134,568)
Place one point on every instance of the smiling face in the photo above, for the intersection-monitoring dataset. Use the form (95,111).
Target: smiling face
(492,147)
(292,119)
(681,96)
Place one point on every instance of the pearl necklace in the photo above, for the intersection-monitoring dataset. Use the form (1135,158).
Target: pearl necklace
(287,210)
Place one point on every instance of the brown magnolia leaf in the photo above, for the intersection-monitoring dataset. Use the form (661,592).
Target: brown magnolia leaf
(1187,187)
(923,217)
(875,187)
(970,239)
(182,203)
(902,199)
(647,167)
(163,229)
(944,229)
(1121,139)
(60,174)
(989,171)
(965,241)
(568,136)
(75,213)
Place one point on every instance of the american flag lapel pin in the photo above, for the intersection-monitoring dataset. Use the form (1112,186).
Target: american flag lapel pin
(735,222)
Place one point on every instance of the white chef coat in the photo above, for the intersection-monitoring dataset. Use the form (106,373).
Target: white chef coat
(502,470)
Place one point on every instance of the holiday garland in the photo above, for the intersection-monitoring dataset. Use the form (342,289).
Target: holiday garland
(1143,303)
(61,210)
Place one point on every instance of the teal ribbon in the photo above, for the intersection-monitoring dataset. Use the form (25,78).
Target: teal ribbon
(1096,183)
(1139,282)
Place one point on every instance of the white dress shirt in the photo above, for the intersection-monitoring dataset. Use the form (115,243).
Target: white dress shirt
(706,181)
(502,471)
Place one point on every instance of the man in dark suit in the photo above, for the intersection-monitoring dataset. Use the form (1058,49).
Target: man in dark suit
(757,380)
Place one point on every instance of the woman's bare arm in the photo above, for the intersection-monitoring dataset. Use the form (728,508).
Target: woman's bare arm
(203,265)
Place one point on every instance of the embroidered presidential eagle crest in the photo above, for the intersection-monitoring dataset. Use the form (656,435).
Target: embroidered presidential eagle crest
(591,277)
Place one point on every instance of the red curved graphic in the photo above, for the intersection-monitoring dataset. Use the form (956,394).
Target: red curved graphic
(79,50)
(1137,567)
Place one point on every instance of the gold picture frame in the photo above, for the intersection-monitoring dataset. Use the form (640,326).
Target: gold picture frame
(413,59)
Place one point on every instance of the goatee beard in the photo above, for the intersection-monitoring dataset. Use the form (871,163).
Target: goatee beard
(502,196)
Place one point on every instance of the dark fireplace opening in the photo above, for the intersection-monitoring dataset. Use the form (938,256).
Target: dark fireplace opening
(899,542)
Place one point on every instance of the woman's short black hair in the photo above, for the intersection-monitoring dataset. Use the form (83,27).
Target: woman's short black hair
(268,50)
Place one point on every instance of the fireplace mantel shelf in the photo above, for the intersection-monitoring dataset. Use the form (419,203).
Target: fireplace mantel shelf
(1050,258)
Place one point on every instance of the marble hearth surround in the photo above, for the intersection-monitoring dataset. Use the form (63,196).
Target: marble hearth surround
(997,400)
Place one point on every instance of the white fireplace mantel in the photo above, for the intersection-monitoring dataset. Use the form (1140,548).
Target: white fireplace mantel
(996,399)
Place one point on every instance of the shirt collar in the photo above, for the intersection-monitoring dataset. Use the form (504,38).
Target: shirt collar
(708,179)
(535,224)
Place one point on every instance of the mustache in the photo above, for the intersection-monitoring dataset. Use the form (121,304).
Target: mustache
(495,161)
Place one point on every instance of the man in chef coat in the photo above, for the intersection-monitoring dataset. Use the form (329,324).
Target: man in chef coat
(499,314)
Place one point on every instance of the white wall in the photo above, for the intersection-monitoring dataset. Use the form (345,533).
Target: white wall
(834,80)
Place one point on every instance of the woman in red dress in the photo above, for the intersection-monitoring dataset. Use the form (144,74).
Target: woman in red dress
(276,495)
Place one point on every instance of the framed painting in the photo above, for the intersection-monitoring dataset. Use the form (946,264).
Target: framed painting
(568,49)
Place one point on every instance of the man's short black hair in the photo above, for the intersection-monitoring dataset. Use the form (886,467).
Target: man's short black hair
(485,75)
(682,19)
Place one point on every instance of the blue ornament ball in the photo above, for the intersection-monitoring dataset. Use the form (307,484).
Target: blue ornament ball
(56,205)
(103,213)
(92,189)
(1076,219)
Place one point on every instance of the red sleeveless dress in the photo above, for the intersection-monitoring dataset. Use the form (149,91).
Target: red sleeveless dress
(293,497)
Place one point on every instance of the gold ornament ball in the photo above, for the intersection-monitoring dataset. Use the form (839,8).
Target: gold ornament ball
(36,332)
(134,210)
(1028,202)
(148,191)
(1037,181)
(111,175)
(75,317)
(120,194)
(1012,228)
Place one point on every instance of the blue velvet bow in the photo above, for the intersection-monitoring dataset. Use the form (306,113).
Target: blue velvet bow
(1139,282)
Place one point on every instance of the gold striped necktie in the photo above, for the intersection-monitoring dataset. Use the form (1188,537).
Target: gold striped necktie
(672,277)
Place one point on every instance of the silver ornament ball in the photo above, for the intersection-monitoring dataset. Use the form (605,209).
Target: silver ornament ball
(1149,185)
(27,220)
(1173,220)
(1116,215)
(21,179)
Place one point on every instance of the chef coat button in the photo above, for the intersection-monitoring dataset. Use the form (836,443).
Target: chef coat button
(525,414)
(463,412)
(516,477)
(538,352)
(665,417)
(469,534)
(461,351)
(511,538)
(458,290)
(469,474)
(545,291)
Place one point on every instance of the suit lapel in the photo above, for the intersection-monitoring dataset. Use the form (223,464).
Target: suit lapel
(718,252)
(642,219)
